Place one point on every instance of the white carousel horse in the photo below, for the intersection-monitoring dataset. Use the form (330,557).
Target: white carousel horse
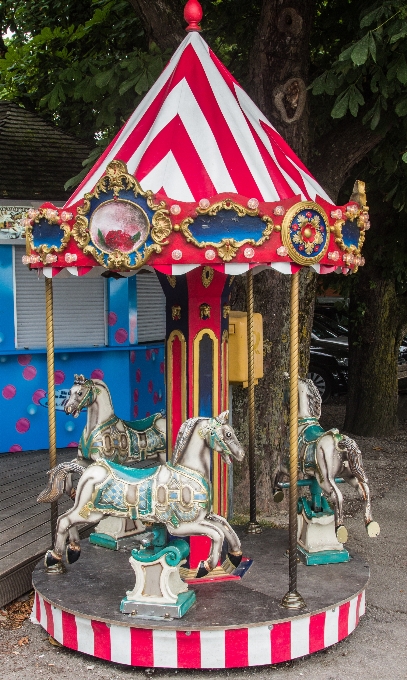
(176,494)
(326,455)
(106,435)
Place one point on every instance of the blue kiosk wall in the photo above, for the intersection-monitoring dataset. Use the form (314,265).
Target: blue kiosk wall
(134,372)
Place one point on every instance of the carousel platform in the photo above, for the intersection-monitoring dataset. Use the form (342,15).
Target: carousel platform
(235,623)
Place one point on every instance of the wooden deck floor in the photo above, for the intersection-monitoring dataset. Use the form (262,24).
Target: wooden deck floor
(25,528)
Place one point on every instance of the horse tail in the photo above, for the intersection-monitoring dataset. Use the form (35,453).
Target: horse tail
(354,457)
(56,482)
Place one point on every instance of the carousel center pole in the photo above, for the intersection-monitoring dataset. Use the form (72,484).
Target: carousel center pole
(292,599)
(254,527)
(49,327)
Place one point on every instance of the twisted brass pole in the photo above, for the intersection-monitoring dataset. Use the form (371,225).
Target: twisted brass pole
(254,527)
(49,327)
(292,599)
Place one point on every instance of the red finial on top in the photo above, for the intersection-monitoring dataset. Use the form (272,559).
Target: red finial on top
(193,14)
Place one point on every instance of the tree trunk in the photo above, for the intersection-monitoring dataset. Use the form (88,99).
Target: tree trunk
(272,295)
(373,350)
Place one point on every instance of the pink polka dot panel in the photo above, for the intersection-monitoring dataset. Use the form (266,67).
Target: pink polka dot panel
(59,377)
(112,318)
(150,386)
(22,425)
(138,375)
(132,356)
(38,394)
(29,373)
(97,374)
(135,395)
(72,445)
(135,411)
(9,391)
(121,335)
(148,354)
(24,359)
(162,367)
(14,448)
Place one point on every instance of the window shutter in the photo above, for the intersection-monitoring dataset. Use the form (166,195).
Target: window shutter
(79,308)
(150,308)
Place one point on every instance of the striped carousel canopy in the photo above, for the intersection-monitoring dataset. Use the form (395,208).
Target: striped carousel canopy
(198,176)
(197,134)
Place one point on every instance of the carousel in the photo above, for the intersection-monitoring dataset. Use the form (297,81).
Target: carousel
(199,188)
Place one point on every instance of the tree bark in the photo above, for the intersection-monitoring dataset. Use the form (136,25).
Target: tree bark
(163,21)
(374,341)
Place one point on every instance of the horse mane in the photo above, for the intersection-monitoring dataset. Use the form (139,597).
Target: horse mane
(183,437)
(314,399)
(103,386)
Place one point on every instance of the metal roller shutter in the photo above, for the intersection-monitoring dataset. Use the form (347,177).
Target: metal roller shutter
(150,308)
(79,308)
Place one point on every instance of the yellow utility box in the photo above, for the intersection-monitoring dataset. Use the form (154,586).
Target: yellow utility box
(238,358)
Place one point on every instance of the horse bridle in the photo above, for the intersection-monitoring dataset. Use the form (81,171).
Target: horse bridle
(92,392)
(212,431)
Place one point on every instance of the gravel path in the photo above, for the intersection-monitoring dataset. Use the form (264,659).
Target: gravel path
(376,650)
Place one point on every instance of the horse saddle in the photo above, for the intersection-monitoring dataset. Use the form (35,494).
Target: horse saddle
(308,441)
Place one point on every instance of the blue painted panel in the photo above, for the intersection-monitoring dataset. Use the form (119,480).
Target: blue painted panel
(205,376)
(45,233)
(226,224)
(350,234)
(23,386)
(6,299)
(118,312)
(147,381)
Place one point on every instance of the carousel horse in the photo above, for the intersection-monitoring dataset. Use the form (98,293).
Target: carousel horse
(176,494)
(326,455)
(107,436)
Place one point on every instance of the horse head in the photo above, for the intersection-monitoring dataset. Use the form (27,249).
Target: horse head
(309,399)
(221,437)
(82,394)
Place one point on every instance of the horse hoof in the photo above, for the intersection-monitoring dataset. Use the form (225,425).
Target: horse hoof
(235,559)
(53,564)
(202,570)
(73,553)
(278,496)
(342,534)
(373,529)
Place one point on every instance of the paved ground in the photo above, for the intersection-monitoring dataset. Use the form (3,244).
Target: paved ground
(377,650)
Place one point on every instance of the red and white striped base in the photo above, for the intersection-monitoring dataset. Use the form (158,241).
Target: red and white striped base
(260,645)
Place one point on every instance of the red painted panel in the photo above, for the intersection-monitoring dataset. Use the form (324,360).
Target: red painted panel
(236,648)
(50,618)
(281,642)
(316,632)
(343,620)
(69,631)
(142,652)
(189,649)
(199,550)
(102,640)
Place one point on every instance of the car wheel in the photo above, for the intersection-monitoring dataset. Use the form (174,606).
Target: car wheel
(322,382)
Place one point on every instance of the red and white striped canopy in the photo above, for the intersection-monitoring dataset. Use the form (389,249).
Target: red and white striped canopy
(197,134)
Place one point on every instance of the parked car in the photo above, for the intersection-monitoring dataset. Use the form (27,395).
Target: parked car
(329,355)
(328,367)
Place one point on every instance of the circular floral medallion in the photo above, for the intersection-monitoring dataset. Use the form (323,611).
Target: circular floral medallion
(305,232)
(119,225)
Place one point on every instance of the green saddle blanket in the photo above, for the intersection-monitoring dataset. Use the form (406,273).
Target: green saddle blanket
(144,423)
(127,474)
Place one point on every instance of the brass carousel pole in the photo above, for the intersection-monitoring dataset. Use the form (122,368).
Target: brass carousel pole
(49,326)
(292,599)
(254,527)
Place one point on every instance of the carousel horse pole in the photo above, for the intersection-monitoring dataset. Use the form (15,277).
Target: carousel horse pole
(292,599)
(254,527)
(49,327)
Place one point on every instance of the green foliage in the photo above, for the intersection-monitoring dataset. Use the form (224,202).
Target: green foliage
(82,65)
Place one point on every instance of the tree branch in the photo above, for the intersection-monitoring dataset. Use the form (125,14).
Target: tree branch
(163,21)
(337,152)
